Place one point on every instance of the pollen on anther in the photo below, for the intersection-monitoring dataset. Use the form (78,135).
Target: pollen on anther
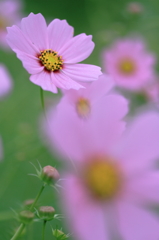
(51,60)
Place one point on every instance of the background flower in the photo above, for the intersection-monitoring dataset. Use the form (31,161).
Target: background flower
(109,192)
(5,81)
(10,13)
(129,63)
(50,54)
(79,111)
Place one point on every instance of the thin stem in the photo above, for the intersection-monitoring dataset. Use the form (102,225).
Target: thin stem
(22,226)
(43,231)
(42,99)
(36,199)
(18,232)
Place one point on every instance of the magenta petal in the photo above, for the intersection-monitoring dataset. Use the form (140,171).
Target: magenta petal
(44,80)
(65,82)
(100,87)
(18,41)
(136,223)
(77,48)
(62,134)
(35,28)
(139,147)
(86,219)
(30,63)
(82,72)
(145,187)
(59,32)
(5,81)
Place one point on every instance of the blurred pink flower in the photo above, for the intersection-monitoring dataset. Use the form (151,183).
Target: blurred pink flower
(129,63)
(151,92)
(78,111)
(50,54)
(113,185)
(5,81)
(135,7)
(9,15)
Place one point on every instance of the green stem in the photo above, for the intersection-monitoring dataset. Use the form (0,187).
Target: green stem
(36,199)
(18,232)
(43,231)
(22,226)
(42,99)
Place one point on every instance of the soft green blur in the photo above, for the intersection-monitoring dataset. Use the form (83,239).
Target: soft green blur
(20,112)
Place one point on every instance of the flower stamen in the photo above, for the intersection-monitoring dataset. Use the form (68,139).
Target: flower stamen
(83,107)
(127,67)
(102,178)
(51,60)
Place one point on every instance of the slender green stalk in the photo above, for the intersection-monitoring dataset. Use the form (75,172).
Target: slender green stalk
(43,230)
(22,226)
(36,199)
(18,232)
(42,99)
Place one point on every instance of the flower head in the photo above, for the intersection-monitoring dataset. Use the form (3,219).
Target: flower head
(51,53)
(111,187)
(5,81)
(129,63)
(46,213)
(79,110)
(9,15)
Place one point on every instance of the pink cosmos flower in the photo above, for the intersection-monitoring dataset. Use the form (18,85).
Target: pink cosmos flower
(9,15)
(50,54)
(5,81)
(129,63)
(81,109)
(114,184)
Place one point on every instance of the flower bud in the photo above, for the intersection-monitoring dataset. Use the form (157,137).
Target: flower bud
(46,213)
(28,203)
(49,174)
(135,8)
(26,217)
(59,234)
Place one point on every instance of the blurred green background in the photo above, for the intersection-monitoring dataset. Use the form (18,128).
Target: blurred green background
(20,112)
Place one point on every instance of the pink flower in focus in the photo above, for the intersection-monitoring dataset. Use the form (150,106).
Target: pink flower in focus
(50,54)
(129,63)
(110,191)
(5,81)
(78,111)
(9,15)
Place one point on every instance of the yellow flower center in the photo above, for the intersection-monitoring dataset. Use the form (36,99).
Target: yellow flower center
(102,178)
(83,107)
(127,67)
(51,60)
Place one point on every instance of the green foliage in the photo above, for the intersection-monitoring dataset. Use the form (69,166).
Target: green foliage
(21,111)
